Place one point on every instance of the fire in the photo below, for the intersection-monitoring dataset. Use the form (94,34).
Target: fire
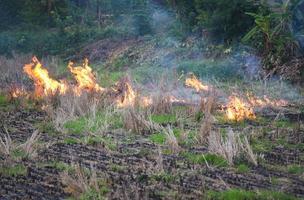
(17,92)
(146,102)
(238,110)
(84,77)
(193,82)
(265,101)
(44,85)
(128,95)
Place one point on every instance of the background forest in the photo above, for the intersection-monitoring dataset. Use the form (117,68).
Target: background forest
(274,30)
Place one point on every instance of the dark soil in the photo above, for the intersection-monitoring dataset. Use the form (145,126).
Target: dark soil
(134,169)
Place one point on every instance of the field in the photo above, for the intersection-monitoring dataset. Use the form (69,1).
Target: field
(154,134)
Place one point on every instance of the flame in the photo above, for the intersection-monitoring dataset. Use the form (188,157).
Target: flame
(238,110)
(44,85)
(84,77)
(128,96)
(146,102)
(265,101)
(193,82)
(17,92)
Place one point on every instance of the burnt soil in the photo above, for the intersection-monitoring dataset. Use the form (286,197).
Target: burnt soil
(132,170)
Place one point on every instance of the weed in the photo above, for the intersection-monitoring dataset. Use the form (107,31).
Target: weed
(71,141)
(6,144)
(76,126)
(164,177)
(31,145)
(171,139)
(158,138)
(236,194)
(242,168)
(164,118)
(83,184)
(296,169)
(15,170)
(202,159)
(3,100)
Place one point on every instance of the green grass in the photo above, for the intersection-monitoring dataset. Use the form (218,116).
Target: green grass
(164,118)
(164,177)
(70,141)
(237,194)
(296,169)
(15,170)
(3,100)
(19,154)
(47,127)
(77,126)
(90,124)
(283,123)
(59,165)
(158,138)
(242,168)
(95,140)
(107,79)
(211,159)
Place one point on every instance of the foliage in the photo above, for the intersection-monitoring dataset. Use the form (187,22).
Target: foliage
(221,19)
(236,194)
(272,36)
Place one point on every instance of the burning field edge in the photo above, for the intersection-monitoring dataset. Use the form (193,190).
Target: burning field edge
(185,139)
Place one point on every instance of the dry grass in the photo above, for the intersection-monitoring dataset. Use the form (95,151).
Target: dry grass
(171,140)
(6,145)
(79,182)
(63,108)
(138,121)
(207,107)
(230,146)
(161,104)
(31,145)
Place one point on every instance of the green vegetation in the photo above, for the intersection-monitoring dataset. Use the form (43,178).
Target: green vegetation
(95,194)
(71,140)
(14,170)
(164,177)
(92,124)
(242,168)
(158,138)
(211,159)
(296,169)
(3,100)
(235,194)
(164,118)
(96,139)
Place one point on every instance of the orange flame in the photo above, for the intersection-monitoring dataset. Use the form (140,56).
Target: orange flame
(84,77)
(128,96)
(193,82)
(17,92)
(44,85)
(146,102)
(265,101)
(238,110)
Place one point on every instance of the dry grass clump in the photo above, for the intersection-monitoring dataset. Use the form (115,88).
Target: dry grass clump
(230,146)
(6,145)
(138,121)
(11,71)
(79,182)
(161,103)
(63,108)
(171,140)
(207,107)
(30,146)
